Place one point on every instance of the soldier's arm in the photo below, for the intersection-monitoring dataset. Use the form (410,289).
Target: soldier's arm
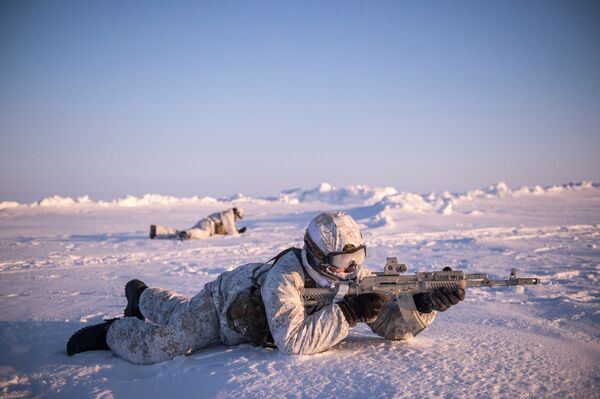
(294,331)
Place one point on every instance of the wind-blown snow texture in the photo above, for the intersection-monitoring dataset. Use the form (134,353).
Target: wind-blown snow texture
(64,263)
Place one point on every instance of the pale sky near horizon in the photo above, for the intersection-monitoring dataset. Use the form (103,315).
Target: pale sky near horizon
(109,98)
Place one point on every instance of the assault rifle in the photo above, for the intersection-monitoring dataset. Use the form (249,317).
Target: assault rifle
(402,287)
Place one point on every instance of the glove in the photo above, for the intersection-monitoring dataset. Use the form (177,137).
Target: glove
(362,308)
(242,230)
(439,299)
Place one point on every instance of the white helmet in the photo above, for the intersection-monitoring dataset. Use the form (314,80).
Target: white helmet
(334,245)
(238,212)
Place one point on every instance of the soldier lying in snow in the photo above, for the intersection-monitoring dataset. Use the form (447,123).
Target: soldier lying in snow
(262,303)
(217,223)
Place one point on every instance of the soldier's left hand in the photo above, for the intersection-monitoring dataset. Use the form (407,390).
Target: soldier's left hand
(439,299)
(443,298)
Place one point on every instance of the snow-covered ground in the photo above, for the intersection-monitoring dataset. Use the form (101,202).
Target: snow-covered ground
(64,263)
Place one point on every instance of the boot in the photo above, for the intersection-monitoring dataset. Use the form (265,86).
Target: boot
(133,291)
(152,231)
(183,235)
(90,338)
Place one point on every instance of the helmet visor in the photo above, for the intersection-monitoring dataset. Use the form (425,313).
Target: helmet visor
(343,260)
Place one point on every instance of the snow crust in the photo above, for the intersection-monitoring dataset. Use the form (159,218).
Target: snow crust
(64,263)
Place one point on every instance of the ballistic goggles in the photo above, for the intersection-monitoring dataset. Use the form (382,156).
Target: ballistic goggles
(340,260)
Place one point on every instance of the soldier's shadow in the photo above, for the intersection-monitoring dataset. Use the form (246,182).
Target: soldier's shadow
(361,341)
(372,343)
(72,238)
(109,237)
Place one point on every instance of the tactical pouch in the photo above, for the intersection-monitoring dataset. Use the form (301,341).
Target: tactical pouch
(249,318)
(248,315)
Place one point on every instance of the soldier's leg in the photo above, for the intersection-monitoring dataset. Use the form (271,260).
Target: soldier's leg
(158,305)
(201,230)
(192,325)
(165,232)
(197,233)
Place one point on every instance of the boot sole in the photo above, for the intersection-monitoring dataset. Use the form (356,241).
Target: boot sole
(129,312)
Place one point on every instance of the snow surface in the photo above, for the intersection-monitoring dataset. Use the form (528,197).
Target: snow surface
(64,263)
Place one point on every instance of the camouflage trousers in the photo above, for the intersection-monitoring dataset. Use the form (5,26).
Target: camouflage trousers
(201,231)
(174,326)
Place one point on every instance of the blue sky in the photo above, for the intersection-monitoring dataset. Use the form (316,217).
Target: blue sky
(109,98)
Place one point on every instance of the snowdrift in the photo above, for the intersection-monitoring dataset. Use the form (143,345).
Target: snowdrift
(325,193)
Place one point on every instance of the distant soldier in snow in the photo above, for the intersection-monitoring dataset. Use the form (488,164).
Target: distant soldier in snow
(217,223)
(262,303)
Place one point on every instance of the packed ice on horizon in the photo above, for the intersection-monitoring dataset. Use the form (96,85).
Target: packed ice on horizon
(325,193)
(64,263)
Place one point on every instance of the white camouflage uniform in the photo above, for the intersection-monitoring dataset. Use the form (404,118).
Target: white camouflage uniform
(217,223)
(180,325)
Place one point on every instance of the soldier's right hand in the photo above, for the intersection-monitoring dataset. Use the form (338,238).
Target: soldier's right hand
(362,308)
